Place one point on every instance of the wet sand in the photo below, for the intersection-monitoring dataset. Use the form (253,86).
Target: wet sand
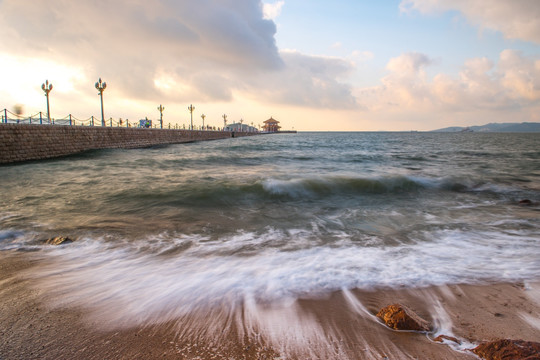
(340,325)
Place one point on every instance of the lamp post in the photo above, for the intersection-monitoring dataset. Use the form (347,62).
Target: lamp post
(241,125)
(203,117)
(47,88)
(191,108)
(224,116)
(161,108)
(100,86)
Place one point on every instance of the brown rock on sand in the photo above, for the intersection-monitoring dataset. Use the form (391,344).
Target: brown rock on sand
(400,317)
(441,339)
(505,349)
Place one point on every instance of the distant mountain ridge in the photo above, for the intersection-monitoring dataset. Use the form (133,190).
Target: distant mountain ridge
(495,127)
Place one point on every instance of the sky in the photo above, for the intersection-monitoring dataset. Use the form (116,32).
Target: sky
(314,65)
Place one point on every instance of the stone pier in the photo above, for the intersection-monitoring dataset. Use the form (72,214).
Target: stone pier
(23,142)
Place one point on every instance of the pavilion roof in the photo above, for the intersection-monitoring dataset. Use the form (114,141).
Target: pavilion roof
(271,120)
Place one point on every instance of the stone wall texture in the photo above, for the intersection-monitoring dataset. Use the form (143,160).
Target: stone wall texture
(23,142)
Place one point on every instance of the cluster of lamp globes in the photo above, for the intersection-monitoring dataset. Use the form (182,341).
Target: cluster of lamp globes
(100,86)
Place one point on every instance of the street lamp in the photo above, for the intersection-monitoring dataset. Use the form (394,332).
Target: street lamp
(191,108)
(47,88)
(161,108)
(203,116)
(224,116)
(100,86)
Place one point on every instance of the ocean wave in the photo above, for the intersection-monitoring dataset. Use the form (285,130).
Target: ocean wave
(314,187)
(310,187)
(213,192)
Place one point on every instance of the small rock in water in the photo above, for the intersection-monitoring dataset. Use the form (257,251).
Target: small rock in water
(525,202)
(399,317)
(505,349)
(58,240)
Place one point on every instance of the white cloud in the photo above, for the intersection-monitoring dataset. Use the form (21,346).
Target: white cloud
(520,76)
(513,82)
(308,80)
(515,19)
(405,85)
(408,64)
(272,10)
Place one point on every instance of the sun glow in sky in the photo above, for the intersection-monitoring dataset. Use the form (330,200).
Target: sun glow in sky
(312,64)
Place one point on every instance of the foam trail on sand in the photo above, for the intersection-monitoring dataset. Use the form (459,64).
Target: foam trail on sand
(443,326)
(289,330)
(533,293)
(355,304)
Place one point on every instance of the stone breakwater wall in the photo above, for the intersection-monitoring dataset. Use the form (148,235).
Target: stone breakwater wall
(23,142)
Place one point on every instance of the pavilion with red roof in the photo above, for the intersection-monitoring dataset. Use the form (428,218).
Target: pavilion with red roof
(271,125)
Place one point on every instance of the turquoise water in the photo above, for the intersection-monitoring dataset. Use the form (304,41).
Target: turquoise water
(277,217)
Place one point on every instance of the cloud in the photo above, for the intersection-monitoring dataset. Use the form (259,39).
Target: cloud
(515,19)
(408,64)
(520,76)
(167,50)
(308,80)
(272,10)
(513,82)
(404,86)
(130,43)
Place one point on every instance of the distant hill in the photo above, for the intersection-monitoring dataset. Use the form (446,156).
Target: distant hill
(495,127)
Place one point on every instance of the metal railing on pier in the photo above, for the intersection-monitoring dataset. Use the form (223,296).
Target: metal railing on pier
(40,118)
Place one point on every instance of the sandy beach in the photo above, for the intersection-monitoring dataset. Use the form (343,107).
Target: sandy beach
(339,325)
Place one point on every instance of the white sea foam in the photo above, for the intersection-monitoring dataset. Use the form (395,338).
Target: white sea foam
(129,285)
(294,187)
(12,239)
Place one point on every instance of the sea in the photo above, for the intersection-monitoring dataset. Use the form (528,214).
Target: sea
(164,231)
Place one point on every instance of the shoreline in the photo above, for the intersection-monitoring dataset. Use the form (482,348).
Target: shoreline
(339,325)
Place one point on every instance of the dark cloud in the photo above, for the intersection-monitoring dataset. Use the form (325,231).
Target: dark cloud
(129,41)
(174,50)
